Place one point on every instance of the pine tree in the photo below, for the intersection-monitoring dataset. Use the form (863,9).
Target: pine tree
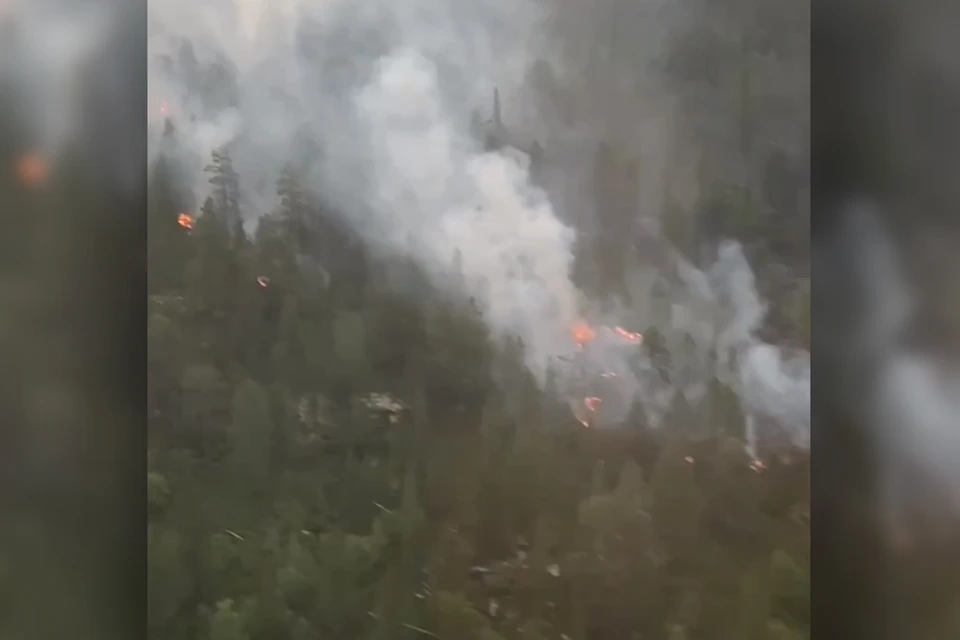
(253,432)
(399,605)
(204,408)
(294,212)
(226,196)
(677,503)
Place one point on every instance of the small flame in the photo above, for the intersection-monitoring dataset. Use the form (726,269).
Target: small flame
(689,459)
(757,465)
(582,333)
(590,404)
(31,170)
(263,281)
(608,374)
(630,336)
(185,220)
(164,108)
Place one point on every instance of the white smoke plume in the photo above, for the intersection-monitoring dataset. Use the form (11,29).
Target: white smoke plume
(387,90)
(47,50)
(770,383)
(451,205)
(909,395)
(714,312)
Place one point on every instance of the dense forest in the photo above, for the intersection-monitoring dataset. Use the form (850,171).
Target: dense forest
(331,457)
(340,450)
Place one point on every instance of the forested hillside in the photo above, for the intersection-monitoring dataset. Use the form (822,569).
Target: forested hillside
(331,458)
(341,450)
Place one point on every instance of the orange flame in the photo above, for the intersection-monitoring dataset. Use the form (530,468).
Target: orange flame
(185,220)
(582,333)
(31,170)
(630,336)
(590,403)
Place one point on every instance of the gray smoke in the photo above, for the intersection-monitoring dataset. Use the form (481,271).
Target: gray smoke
(387,90)
(910,395)
(770,383)
(717,311)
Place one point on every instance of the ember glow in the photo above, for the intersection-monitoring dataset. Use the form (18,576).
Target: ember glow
(630,336)
(605,337)
(583,412)
(591,403)
(31,170)
(185,220)
(582,333)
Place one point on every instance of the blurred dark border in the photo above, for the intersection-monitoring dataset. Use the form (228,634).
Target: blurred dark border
(73,390)
(82,508)
(852,44)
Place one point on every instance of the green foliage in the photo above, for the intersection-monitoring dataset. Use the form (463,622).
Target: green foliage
(284,505)
(252,428)
(453,616)
(226,623)
(677,502)
(349,343)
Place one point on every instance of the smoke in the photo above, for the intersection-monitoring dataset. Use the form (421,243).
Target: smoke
(769,382)
(908,394)
(46,50)
(710,330)
(387,91)
(467,214)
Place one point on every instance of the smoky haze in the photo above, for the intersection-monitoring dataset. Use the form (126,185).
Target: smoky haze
(386,90)
(380,100)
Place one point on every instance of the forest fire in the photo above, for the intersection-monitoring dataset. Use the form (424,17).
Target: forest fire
(629,336)
(185,220)
(582,333)
(590,405)
(31,170)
